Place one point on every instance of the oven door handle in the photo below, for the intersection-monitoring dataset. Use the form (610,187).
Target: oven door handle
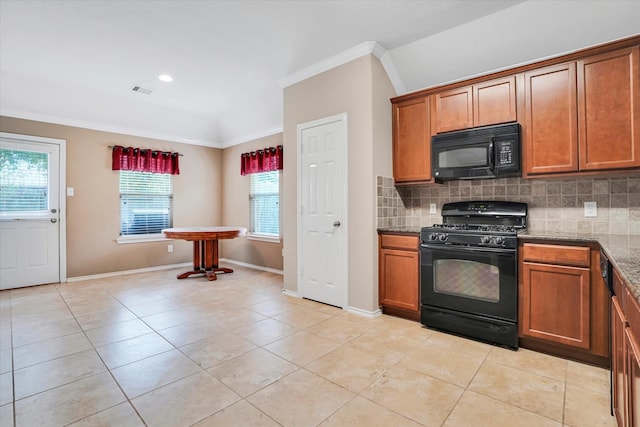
(451,248)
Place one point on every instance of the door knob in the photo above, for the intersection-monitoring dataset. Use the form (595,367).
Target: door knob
(336,223)
(54,220)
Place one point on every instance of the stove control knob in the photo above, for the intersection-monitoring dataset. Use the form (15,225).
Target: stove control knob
(433,236)
(442,237)
(485,239)
(498,240)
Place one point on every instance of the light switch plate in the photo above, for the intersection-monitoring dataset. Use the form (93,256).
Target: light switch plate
(69,191)
(432,208)
(590,209)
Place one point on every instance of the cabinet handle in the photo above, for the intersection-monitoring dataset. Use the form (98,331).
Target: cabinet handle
(492,156)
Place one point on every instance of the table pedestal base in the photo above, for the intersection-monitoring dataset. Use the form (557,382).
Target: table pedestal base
(205,260)
(211,274)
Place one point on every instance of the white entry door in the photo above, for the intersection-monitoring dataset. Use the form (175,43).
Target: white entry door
(322,232)
(29,211)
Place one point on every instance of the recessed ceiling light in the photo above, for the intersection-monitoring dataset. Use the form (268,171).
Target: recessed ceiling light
(165,77)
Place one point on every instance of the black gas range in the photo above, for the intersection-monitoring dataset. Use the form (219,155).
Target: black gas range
(468,267)
(482,224)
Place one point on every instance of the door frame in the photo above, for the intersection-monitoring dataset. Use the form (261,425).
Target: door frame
(62,185)
(344,152)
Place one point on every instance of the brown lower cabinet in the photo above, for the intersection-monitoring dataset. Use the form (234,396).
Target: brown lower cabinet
(625,345)
(398,275)
(618,326)
(564,305)
(633,377)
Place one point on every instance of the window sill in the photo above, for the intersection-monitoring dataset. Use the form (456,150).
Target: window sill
(263,238)
(141,238)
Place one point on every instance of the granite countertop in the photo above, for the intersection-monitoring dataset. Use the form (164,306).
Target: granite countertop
(623,251)
(401,230)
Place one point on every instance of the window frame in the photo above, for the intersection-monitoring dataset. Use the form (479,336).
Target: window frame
(263,237)
(139,238)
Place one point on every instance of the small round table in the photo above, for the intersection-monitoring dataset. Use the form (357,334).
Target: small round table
(205,247)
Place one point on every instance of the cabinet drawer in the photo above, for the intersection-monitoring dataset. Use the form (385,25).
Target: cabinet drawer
(393,241)
(557,254)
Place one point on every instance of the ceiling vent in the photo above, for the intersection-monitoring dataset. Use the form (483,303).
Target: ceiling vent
(141,89)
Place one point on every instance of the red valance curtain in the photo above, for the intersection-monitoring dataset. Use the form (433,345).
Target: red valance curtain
(265,160)
(144,160)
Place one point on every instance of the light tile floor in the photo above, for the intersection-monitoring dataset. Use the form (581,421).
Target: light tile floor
(147,349)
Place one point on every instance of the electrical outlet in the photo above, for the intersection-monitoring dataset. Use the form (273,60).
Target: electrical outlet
(590,209)
(432,208)
(170,248)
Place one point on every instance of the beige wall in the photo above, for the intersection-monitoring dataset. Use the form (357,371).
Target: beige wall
(235,208)
(93,212)
(361,89)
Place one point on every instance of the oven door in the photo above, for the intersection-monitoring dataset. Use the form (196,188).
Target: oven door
(477,281)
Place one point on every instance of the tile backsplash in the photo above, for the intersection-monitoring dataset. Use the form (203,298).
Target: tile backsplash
(554,204)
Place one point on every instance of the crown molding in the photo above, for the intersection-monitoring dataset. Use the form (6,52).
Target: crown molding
(366,48)
(251,137)
(392,73)
(65,121)
(334,61)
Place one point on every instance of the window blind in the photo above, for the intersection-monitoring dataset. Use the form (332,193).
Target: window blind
(265,203)
(145,203)
(24,181)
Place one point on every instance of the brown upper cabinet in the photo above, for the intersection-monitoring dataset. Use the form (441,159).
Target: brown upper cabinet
(583,116)
(411,141)
(485,103)
(609,110)
(580,114)
(550,137)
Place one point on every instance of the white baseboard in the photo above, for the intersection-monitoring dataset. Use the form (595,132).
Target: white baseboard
(353,310)
(364,313)
(291,293)
(255,267)
(125,272)
(165,267)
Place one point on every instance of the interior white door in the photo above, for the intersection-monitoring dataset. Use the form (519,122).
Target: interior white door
(322,147)
(29,213)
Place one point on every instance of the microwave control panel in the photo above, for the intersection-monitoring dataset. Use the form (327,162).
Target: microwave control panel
(506,153)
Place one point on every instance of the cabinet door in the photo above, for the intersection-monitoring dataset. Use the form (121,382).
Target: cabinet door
(609,110)
(494,101)
(618,350)
(399,284)
(550,124)
(555,304)
(633,379)
(411,141)
(453,109)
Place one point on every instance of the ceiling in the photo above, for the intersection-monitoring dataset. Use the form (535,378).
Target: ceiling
(75,62)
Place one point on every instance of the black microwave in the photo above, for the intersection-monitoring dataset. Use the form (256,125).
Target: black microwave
(483,152)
